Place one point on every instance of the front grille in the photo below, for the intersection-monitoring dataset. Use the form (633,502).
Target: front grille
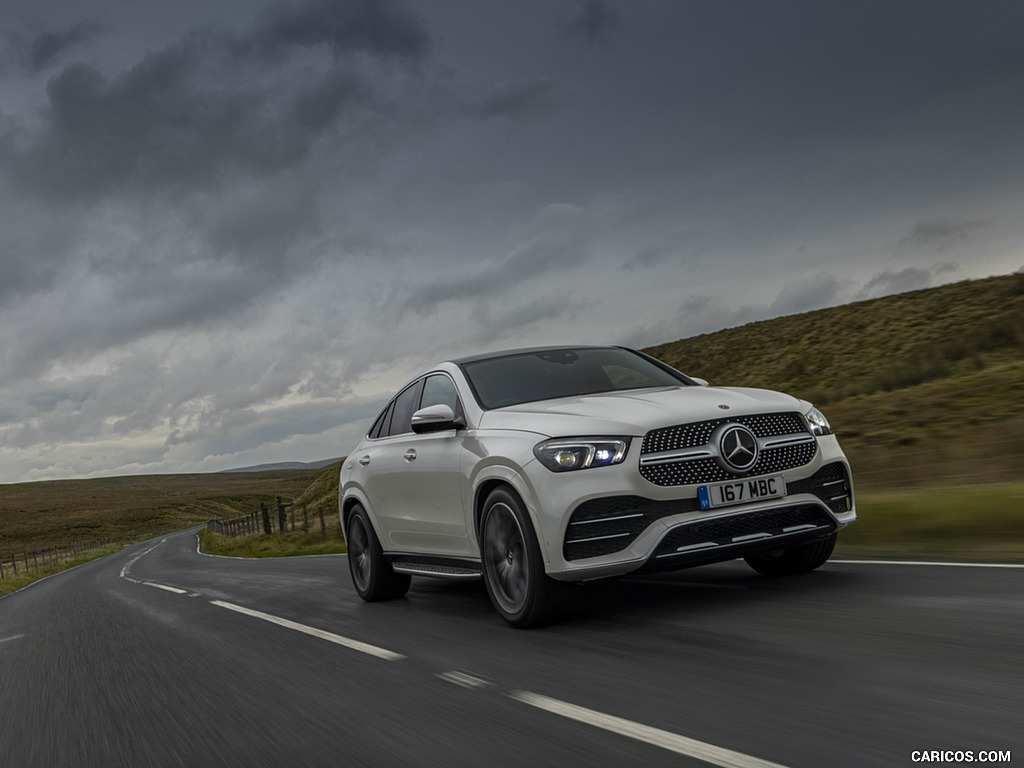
(761,524)
(703,469)
(699,432)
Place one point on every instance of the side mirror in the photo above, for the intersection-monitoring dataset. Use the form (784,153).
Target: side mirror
(435,418)
(702,382)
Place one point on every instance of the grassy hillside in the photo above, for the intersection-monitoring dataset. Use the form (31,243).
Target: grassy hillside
(324,490)
(867,347)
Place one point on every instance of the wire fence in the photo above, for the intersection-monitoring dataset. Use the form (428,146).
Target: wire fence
(28,562)
(286,516)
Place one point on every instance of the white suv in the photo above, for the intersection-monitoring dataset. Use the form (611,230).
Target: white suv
(541,467)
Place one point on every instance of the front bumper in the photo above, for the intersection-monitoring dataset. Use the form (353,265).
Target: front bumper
(611,521)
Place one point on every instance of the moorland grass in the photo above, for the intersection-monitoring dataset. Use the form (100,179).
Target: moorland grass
(288,544)
(967,523)
(53,514)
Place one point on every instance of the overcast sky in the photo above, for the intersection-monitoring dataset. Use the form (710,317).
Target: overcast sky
(228,231)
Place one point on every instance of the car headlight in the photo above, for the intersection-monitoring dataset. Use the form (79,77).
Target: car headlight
(567,454)
(818,423)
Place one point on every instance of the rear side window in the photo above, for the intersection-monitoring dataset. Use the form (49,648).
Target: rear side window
(403,409)
(380,426)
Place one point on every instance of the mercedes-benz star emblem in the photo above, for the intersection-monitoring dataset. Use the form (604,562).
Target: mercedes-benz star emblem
(738,448)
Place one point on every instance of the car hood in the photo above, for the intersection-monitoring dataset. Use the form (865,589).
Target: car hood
(634,412)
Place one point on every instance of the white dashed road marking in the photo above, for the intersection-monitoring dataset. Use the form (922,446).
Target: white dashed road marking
(673,742)
(463,680)
(175,590)
(355,645)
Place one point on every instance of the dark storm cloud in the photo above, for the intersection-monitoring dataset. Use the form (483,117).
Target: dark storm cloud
(34,51)
(593,19)
(172,124)
(184,181)
(211,106)
(377,27)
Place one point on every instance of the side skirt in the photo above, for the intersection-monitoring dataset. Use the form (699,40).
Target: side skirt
(435,565)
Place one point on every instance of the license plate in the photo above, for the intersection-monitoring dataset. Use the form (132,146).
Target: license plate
(740,491)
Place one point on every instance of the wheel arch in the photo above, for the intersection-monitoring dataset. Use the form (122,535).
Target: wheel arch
(484,490)
(348,502)
(513,482)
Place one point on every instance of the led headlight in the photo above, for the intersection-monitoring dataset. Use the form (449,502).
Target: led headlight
(565,454)
(818,423)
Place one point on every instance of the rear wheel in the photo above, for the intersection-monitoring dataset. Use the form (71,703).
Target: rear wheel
(520,591)
(794,560)
(372,575)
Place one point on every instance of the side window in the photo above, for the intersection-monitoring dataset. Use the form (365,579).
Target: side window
(380,425)
(440,390)
(404,407)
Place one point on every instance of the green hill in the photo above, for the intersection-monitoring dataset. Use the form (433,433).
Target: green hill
(867,347)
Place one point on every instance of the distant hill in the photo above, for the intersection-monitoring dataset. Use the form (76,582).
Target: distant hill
(284,465)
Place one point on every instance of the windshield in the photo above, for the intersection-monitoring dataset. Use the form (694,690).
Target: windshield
(551,374)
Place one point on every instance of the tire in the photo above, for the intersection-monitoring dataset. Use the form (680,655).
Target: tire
(793,561)
(372,575)
(513,568)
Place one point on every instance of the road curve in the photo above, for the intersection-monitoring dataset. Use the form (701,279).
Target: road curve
(162,656)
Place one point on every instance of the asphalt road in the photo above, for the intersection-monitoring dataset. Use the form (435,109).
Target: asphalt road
(161,656)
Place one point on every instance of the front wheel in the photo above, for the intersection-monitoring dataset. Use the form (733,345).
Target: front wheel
(792,561)
(520,591)
(372,575)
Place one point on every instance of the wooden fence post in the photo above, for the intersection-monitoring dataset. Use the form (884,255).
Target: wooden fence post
(266,518)
(282,520)
(305,519)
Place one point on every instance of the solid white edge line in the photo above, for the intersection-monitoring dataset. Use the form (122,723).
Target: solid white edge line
(926,562)
(355,645)
(709,753)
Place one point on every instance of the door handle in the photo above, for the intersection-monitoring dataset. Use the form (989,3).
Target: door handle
(365,460)
(410,455)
